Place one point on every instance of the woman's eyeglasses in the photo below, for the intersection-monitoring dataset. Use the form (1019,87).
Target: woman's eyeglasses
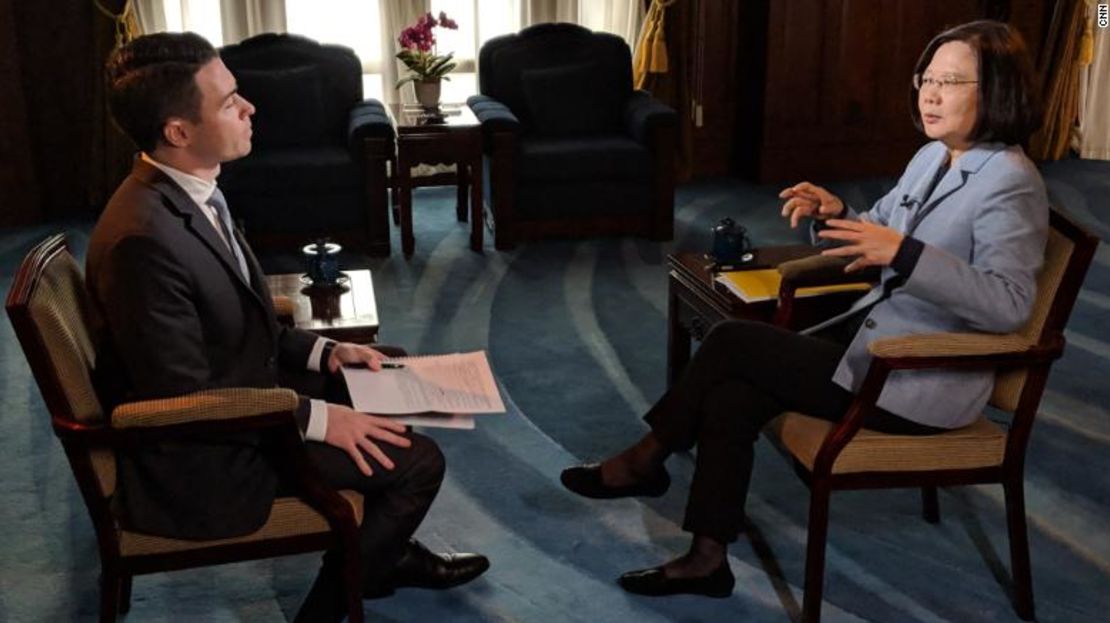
(946,84)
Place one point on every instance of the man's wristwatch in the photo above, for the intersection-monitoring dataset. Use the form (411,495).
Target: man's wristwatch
(325,354)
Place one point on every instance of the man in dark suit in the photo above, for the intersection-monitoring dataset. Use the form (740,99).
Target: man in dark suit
(181,305)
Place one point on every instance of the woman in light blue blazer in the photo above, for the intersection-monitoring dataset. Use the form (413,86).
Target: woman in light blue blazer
(959,241)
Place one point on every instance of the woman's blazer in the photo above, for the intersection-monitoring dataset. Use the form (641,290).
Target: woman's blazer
(984,229)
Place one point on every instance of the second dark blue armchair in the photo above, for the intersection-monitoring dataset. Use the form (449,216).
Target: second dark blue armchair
(571,149)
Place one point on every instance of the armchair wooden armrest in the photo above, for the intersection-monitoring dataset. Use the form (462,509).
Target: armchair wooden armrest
(822,270)
(931,350)
(210,405)
(816,270)
(933,345)
(960,350)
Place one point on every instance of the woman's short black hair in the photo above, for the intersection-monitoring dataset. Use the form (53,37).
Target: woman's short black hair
(152,79)
(1009,97)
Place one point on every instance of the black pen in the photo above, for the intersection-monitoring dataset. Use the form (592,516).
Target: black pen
(389,365)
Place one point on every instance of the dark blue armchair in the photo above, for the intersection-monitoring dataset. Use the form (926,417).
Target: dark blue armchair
(571,149)
(318,162)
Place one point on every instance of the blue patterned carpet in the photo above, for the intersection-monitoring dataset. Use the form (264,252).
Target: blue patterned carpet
(576,335)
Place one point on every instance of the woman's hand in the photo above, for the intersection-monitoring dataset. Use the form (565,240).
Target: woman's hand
(349,353)
(810,200)
(355,433)
(870,244)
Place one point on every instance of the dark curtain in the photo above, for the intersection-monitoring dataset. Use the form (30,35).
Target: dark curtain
(673,87)
(110,151)
(60,156)
(19,187)
(1058,71)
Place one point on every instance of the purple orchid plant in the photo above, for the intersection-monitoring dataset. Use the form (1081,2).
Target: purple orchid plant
(418,49)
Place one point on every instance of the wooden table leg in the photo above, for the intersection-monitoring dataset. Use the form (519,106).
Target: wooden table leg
(476,201)
(394,195)
(377,153)
(678,338)
(404,181)
(463,192)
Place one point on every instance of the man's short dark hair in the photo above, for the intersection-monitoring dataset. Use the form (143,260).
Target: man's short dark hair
(1009,98)
(152,79)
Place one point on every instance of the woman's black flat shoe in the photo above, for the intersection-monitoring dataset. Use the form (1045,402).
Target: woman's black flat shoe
(654,582)
(585,480)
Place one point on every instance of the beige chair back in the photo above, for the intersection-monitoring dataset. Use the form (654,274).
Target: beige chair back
(50,312)
(1009,383)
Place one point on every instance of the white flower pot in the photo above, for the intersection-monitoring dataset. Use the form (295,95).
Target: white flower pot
(427,92)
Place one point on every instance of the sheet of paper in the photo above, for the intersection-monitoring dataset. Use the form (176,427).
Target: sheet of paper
(437,420)
(460,383)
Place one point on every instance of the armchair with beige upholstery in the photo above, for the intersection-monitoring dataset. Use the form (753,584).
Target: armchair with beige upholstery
(48,308)
(842,455)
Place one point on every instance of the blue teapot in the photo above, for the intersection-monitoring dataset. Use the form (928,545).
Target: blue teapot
(731,245)
(322,262)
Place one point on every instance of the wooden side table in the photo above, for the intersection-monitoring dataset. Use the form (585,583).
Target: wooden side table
(348,314)
(453,137)
(695,302)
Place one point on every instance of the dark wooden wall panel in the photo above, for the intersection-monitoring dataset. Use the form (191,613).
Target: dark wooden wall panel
(713,89)
(838,73)
(19,188)
(904,44)
(854,83)
(793,65)
(61,158)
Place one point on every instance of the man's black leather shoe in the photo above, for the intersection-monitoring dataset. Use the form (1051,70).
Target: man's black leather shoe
(654,582)
(421,568)
(585,480)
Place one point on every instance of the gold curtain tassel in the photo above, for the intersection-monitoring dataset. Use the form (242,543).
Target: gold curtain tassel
(651,49)
(126,23)
(1087,43)
(659,55)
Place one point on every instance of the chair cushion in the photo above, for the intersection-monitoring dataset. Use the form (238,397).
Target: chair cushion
(980,444)
(571,100)
(289,517)
(291,169)
(606,157)
(289,106)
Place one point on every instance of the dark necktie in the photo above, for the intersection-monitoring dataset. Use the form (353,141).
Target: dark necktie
(223,216)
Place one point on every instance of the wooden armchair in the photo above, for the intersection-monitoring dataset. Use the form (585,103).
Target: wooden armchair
(48,308)
(843,455)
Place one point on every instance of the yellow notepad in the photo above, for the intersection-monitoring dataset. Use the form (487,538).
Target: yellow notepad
(763,285)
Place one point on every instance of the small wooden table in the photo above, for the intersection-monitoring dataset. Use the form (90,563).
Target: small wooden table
(348,313)
(695,302)
(452,137)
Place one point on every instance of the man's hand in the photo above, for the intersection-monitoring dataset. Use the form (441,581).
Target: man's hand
(349,353)
(809,200)
(870,244)
(356,433)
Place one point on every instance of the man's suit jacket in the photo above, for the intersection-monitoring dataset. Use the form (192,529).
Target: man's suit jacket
(173,316)
(984,227)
